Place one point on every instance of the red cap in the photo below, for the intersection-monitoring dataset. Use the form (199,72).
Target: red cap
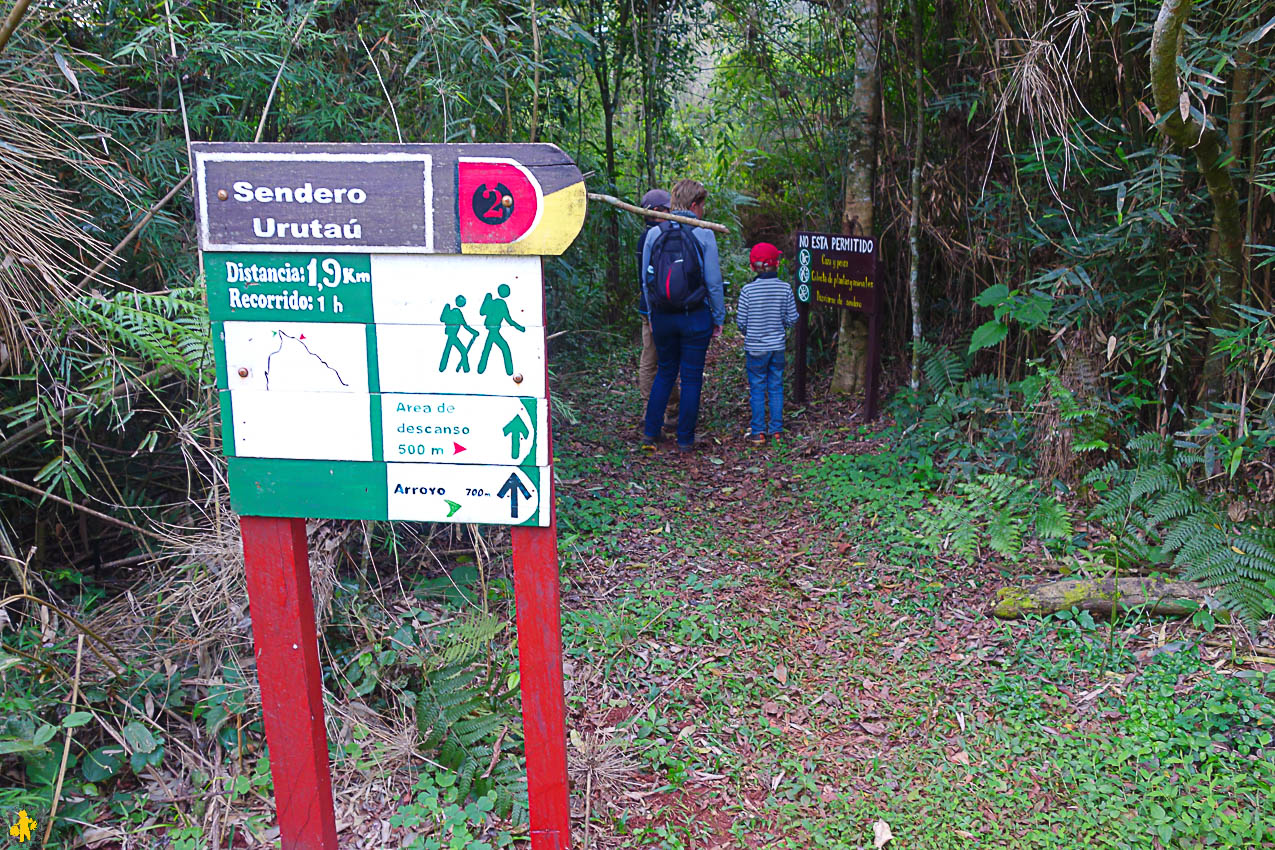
(765,253)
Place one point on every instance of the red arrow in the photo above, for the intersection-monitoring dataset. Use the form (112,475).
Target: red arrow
(459,448)
(302,336)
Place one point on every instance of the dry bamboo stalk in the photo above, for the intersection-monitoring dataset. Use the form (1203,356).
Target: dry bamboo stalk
(104,517)
(633,208)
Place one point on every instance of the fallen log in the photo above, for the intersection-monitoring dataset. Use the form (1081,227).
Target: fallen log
(1101,596)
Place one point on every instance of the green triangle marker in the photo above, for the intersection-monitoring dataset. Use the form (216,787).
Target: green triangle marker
(454,506)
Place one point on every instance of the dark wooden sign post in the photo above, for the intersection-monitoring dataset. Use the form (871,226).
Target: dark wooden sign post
(346,287)
(841,272)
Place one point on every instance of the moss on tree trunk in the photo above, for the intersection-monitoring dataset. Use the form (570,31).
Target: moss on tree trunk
(1101,596)
(1211,155)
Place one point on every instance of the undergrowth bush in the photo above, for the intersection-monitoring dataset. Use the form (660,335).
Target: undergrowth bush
(1156,515)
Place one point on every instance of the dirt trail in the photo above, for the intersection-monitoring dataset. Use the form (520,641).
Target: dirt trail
(731,659)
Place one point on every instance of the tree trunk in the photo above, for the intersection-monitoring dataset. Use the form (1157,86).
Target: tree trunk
(856,217)
(1211,156)
(1101,596)
(914,220)
(648,43)
(607,99)
(614,294)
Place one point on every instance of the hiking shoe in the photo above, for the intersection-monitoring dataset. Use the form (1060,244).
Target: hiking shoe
(686,448)
(648,444)
(756,439)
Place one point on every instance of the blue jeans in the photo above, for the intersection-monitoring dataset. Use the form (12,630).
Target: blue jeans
(766,381)
(681,343)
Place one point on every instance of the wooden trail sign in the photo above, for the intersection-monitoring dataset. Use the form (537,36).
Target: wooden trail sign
(378,328)
(835,270)
(401,199)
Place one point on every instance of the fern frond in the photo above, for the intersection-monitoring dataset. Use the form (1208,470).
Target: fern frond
(1052,520)
(943,368)
(469,636)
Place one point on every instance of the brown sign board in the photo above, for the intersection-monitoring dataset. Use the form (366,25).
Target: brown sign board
(524,199)
(840,271)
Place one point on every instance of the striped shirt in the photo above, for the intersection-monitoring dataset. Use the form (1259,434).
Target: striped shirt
(766,309)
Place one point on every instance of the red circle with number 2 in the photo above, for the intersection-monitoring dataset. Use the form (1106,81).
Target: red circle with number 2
(485,216)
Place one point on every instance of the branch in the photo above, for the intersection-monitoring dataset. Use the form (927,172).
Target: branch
(104,517)
(642,211)
(137,228)
(1166,44)
(283,63)
(11,23)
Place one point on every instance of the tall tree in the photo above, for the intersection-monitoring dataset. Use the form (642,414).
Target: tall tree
(856,216)
(659,30)
(914,220)
(1186,128)
(607,22)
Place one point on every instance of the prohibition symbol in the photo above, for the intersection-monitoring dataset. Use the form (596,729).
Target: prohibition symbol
(493,206)
(803,293)
(803,274)
(803,256)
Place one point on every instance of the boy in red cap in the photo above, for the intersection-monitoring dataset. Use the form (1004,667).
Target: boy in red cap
(767,309)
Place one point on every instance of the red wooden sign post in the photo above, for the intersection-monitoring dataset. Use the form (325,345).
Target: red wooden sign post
(287,651)
(286,648)
(537,607)
(540,666)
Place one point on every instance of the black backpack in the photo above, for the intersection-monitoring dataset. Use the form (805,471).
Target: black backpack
(675,270)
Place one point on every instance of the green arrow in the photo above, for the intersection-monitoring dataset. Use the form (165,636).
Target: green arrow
(516,431)
(453,506)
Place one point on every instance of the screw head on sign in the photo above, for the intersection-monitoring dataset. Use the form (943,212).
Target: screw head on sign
(518,378)
(222,194)
(507,200)
(243,371)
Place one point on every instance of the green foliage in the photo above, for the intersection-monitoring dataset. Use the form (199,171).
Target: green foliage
(967,424)
(1156,515)
(167,329)
(1091,423)
(867,491)
(441,819)
(1002,510)
(463,715)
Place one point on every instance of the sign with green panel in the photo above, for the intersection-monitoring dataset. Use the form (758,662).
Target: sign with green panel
(425,492)
(290,287)
(332,365)
(378,327)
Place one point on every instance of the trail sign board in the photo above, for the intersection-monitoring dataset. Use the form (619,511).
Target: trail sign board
(835,270)
(447,199)
(378,328)
(424,492)
(840,270)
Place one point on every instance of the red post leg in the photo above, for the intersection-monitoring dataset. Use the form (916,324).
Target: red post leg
(287,651)
(540,666)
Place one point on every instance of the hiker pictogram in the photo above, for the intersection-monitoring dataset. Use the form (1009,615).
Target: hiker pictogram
(453,320)
(496,313)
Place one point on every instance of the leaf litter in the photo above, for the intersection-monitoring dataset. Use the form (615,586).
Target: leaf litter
(811,668)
